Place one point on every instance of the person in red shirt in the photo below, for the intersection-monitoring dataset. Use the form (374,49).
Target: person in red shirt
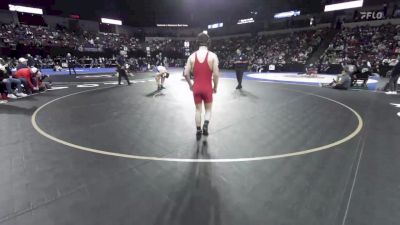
(204,66)
(28,77)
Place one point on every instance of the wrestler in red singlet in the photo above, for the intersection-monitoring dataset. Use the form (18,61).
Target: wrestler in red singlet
(204,66)
(202,86)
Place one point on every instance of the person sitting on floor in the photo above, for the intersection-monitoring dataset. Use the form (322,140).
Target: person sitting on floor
(311,70)
(8,82)
(44,82)
(342,82)
(57,67)
(363,72)
(28,77)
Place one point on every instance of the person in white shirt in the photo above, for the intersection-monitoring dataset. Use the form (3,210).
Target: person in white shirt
(162,74)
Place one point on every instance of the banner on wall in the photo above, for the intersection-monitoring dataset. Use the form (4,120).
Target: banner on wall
(91,50)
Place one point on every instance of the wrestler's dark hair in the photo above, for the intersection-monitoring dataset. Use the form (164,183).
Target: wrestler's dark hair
(203,39)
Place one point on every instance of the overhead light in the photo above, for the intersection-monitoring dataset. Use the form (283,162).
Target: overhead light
(111,21)
(25,9)
(244,21)
(172,25)
(215,25)
(287,14)
(344,5)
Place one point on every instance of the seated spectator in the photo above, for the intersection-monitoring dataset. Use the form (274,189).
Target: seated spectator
(57,67)
(9,82)
(7,64)
(363,72)
(311,70)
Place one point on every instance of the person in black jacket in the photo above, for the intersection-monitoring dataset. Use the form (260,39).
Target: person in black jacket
(30,60)
(241,65)
(71,63)
(394,78)
(363,72)
(121,68)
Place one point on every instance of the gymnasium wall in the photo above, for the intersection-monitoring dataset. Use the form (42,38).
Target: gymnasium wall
(91,26)
(52,21)
(7,16)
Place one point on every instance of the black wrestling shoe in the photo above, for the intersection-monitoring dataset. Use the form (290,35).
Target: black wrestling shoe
(239,87)
(198,134)
(162,87)
(205,129)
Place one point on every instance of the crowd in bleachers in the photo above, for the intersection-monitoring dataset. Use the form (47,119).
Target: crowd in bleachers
(60,62)
(38,36)
(374,44)
(265,50)
(377,46)
(366,45)
(261,50)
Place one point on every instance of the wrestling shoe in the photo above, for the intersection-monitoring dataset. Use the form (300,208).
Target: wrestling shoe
(205,129)
(198,134)
(22,95)
(11,96)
